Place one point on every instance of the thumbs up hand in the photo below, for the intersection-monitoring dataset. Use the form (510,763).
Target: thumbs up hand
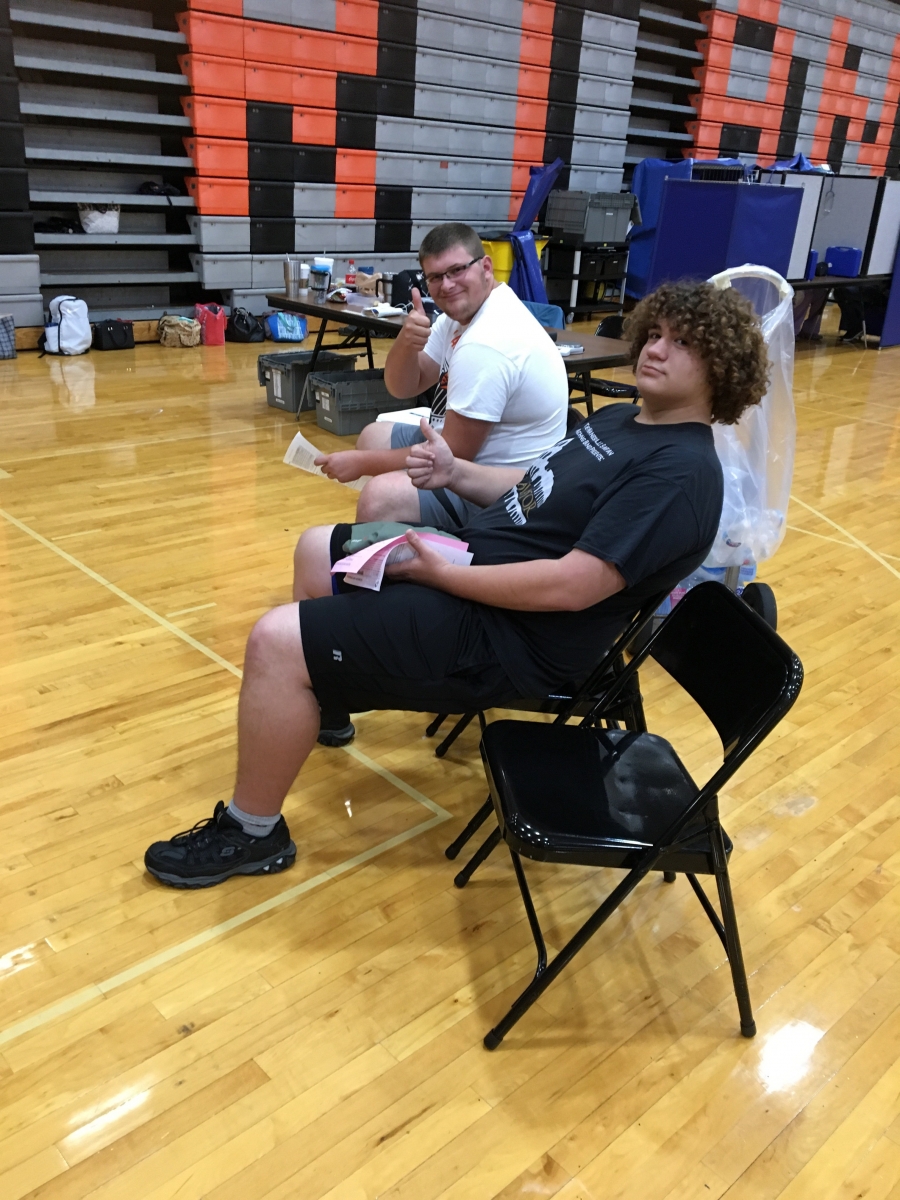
(417,326)
(430,463)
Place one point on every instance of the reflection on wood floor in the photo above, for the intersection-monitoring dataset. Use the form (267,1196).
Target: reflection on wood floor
(318,1034)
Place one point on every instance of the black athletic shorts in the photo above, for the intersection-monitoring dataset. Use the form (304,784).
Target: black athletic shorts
(406,647)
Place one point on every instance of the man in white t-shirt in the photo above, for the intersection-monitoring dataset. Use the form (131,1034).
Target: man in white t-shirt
(501,397)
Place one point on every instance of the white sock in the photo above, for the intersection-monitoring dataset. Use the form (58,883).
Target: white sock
(251,824)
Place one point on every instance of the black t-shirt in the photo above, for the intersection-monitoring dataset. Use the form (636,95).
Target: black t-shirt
(646,498)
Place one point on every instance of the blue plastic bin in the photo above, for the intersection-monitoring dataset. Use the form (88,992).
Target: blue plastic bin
(844,260)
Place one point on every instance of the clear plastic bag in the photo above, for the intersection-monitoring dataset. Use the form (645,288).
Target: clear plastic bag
(757,453)
(99,218)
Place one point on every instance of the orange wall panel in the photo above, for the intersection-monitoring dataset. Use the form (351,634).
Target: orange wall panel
(213,76)
(286,85)
(354,202)
(208,33)
(216,116)
(315,126)
(355,166)
(359,17)
(220,197)
(222,157)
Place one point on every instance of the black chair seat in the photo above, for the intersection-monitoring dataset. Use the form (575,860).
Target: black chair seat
(597,797)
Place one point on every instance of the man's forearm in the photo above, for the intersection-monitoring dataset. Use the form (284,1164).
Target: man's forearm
(543,585)
(402,376)
(482,484)
(379,462)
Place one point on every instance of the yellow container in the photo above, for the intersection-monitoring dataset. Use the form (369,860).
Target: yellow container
(502,256)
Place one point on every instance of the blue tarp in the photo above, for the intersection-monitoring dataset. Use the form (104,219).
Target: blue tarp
(526,279)
(649,176)
(540,186)
(800,163)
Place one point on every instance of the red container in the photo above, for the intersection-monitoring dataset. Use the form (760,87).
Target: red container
(209,33)
(355,166)
(528,146)
(276,84)
(535,49)
(222,157)
(537,16)
(219,197)
(214,76)
(354,202)
(212,324)
(314,126)
(215,116)
(227,8)
(359,17)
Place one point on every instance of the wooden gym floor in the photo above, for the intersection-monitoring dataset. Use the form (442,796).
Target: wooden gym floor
(318,1034)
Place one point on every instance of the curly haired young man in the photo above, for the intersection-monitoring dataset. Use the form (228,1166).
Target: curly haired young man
(564,553)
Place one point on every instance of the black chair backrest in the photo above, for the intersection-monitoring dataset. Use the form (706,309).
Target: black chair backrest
(730,661)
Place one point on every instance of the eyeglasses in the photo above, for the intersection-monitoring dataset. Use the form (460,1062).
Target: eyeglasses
(453,273)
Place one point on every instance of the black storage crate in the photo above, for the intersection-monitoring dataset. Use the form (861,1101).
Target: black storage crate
(284,375)
(13,190)
(270,160)
(6,53)
(269,199)
(12,145)
(272,235)
(9,100)
(348,401)
(269,122)
(16,233)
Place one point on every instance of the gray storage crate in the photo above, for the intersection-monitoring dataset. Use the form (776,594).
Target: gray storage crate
(327,237)
(231,234)
(605,93)
(607,64)
(601,122)
(347,402)
(498,12)
(457,174)
(435,205)
(20,274)
(222,270)
(595,179)
(598,152)
(267,271)
(597,29)
(314,200)
(284,376)
(590,216)
(468,71)
(24,310)
(450,104)
(443,31)
(445,138)
(311,14)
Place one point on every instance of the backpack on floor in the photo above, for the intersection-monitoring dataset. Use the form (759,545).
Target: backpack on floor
(285,327)
(244,327)
(69,331)
(178,331)
(114,335)
(212,323)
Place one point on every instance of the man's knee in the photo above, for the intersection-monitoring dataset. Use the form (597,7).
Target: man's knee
(312,562)
(388,498)
(275,644)
(375,436)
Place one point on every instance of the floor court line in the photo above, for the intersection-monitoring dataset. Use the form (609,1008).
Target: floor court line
(99,990)
(847,534)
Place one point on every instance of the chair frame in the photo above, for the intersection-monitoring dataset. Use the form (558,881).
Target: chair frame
(705,804)
(613,661)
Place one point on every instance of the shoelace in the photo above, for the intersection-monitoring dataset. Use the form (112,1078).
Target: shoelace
(201,833)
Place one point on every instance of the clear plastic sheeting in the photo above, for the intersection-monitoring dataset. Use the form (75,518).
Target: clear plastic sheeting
(757,453)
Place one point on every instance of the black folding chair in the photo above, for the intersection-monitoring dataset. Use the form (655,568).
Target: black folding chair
(614,798)
(626,707)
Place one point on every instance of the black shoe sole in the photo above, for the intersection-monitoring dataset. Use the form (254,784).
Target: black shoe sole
(337,737)
(266,866)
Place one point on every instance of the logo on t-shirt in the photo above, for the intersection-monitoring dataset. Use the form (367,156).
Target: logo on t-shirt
(439,403)
(534,488)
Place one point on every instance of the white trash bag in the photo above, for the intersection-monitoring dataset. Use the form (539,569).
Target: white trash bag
(99,218)
(757,453)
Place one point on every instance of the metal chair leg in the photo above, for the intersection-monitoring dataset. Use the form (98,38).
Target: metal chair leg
(669,876)
(543,980)
(436,724)
(454,733)
(486,848)
(732,938)
(477,821)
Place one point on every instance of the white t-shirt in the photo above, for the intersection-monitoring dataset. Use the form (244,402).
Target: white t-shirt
(501,367)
